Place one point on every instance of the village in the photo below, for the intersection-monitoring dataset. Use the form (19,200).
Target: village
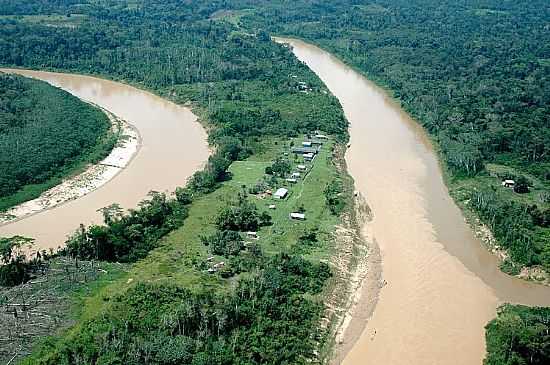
(287,183)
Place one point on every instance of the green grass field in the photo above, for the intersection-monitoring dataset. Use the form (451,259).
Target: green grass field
(462,187)
(181,251)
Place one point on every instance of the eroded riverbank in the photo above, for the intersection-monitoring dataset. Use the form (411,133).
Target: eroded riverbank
(442,286)
(173,147)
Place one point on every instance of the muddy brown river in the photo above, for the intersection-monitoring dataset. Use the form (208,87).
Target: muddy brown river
(173,147)
(442,285)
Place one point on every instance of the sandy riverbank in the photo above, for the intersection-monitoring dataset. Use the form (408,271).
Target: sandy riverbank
(364,282)
(172,146)
(95,175)
(443,286)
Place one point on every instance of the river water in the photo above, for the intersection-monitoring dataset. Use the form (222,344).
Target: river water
(173,147)
(442,285)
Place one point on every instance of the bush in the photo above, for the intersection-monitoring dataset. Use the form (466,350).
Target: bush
(14,267)
(128,237)
(334,195)
(522,185)
(241,215)
(280,167)
(224,243)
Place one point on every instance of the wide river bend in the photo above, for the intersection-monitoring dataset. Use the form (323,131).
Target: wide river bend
(442,285)
(173,147)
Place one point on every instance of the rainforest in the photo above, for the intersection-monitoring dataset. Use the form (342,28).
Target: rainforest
(258,257)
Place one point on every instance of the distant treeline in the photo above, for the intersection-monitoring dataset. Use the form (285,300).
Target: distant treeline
(43,130)
(474,74)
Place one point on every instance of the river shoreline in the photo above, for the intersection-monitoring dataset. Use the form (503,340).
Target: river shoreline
(441,285)
(92,178)
(534,274)
(172,146)
(364,284)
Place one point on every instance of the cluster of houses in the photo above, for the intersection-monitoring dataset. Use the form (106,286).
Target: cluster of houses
(215,267)
(302,85)
(309,149)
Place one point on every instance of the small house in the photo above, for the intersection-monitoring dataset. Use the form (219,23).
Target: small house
(298,216)
(252,235)
(301,167)
(307,144)
(508,183)
(210,258)
(281,193)
(321,136)
(272,206)
(292,180)
(295,174)
(304,150)
(308,156)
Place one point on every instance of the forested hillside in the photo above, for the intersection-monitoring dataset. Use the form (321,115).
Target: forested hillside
(474,74)
(44,131)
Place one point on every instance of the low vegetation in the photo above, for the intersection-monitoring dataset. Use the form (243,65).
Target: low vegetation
(49,302)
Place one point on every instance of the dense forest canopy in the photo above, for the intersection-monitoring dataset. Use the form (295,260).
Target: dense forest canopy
(42,129)
(177,49)
(519,335)
(474,74)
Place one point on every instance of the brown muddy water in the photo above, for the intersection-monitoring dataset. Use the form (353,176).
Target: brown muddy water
(442,285)
(173,147)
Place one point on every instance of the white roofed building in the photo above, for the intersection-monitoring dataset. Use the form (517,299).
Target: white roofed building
(281,193)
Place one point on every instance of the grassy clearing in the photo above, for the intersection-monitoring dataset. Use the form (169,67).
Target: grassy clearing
(181,256)
(52,20)
(306,193)
(231,16)
(181,251)
(536,194)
